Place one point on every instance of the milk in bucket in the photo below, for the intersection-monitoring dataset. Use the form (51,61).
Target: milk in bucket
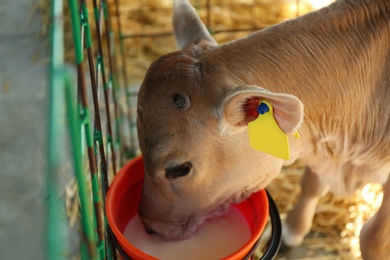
(217,238)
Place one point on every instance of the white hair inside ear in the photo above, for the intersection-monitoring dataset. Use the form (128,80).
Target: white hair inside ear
(288,109)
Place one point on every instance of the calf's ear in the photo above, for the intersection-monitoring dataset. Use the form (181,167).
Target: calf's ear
(187,25)
(239,104)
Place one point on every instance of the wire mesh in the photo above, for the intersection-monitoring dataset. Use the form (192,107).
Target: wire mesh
(94,239)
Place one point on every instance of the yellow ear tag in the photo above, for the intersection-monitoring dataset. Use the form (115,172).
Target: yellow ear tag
(265,134)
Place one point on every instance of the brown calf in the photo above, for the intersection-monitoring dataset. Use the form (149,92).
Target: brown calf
(193,116)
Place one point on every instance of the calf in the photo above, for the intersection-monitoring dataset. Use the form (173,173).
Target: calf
(325,73)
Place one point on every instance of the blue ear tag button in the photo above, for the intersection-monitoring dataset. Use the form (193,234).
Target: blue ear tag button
(262,108)
(265,134)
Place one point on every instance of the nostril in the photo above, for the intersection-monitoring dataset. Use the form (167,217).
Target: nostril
(150,231)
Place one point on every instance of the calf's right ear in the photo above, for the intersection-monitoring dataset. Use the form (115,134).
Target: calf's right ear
(187,25)
(287,109)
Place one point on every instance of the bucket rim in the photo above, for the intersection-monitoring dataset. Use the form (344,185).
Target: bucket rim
(112,196)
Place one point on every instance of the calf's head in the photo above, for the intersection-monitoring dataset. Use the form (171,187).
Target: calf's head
(192,127)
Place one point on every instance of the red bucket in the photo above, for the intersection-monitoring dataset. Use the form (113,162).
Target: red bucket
(124,196)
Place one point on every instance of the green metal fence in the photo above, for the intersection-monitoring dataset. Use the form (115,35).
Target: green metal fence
(105,151)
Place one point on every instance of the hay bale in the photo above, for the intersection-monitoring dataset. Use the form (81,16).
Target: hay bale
(338,220)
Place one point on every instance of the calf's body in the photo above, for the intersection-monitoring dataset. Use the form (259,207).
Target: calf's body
(326,73)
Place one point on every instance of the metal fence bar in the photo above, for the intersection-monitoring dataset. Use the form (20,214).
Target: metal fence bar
(168,34)
(56,223)
(101,69)
(88,248)
(97,220)
(132,149)
(106,251)
(109,35)
(97,128)
(98,137)
(60,85)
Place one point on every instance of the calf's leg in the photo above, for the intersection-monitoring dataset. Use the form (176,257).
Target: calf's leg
(299,219)
(375,234)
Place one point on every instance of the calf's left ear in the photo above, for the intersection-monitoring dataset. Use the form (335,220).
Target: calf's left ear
(239,104)
(188,27)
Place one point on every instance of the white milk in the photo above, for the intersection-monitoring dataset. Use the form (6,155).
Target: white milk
(217,238)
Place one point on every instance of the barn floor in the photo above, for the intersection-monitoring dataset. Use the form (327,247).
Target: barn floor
(23,110)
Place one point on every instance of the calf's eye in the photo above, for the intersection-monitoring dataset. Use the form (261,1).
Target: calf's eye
(182,102)
(178,170)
